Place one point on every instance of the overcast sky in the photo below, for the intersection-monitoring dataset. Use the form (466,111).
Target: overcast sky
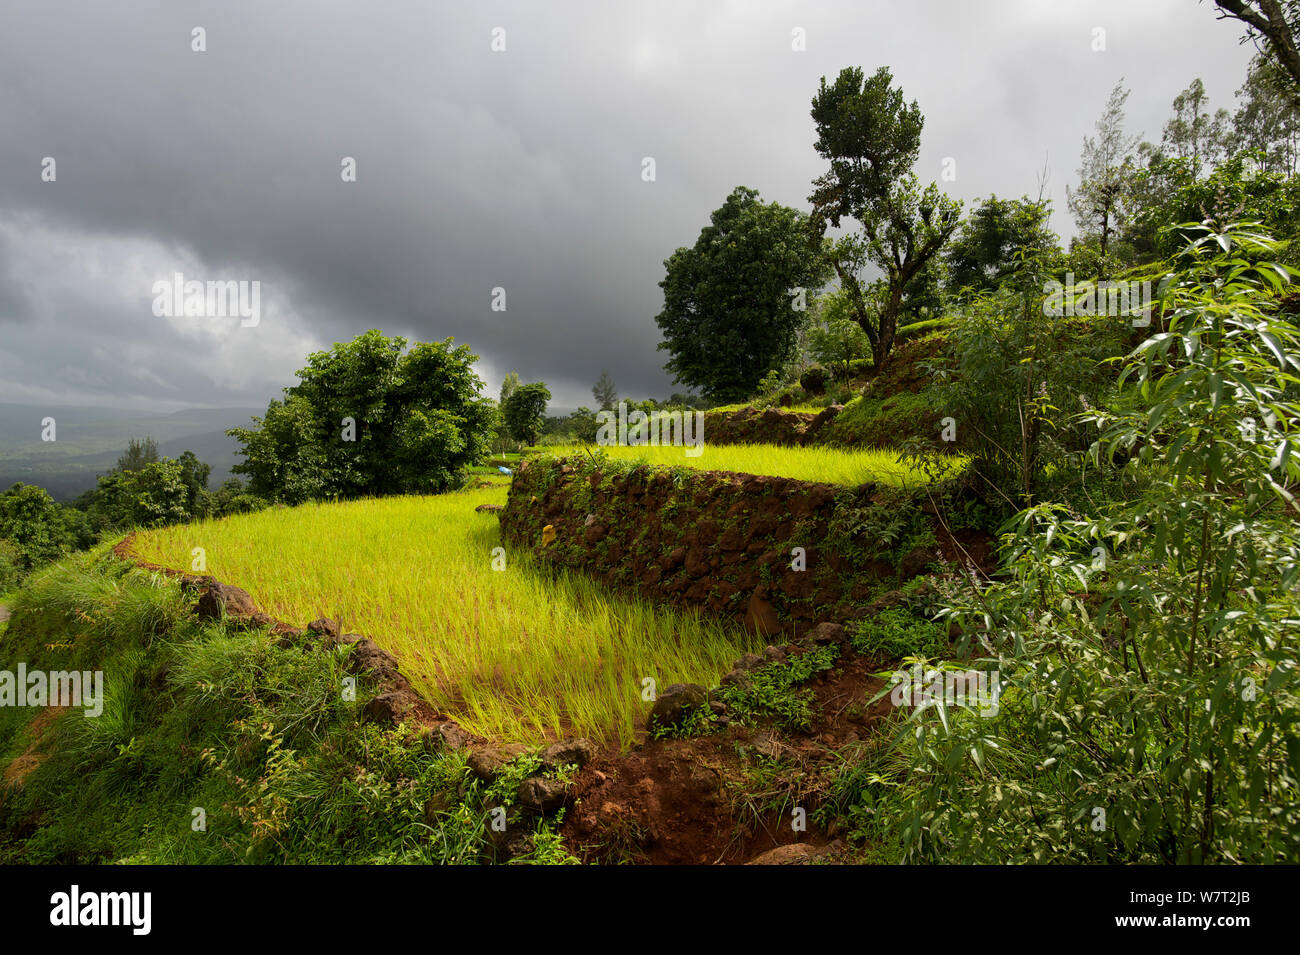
(477,169)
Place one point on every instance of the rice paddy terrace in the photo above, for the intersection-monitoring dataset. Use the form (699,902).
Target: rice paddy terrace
(508,645)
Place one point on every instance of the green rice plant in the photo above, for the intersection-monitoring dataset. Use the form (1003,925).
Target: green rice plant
(848,467)
(522,652)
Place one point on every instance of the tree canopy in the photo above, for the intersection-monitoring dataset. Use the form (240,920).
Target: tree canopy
(731,309)
(370,417)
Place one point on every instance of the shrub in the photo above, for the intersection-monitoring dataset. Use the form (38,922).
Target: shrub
(1150,706)
(814,379)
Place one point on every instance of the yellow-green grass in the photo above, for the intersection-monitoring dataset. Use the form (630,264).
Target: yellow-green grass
(522,654)
(831,465)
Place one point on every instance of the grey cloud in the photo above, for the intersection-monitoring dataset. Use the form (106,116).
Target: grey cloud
(477,170)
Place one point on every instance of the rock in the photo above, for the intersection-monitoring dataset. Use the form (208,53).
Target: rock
(291,638)
(486,762)
(260,619)
(774,654)
(223,598)
(367,655)
(514,842)
(797,853)
(740,679)
(541,794)
(446,737)
(826,633)
(671,706)
(760,616)
(750,661)
(324,626)
(891,599)
(389,709)
(192,584)
(568,752)
(915,561)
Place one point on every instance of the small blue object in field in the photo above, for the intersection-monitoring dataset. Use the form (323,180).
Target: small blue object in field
(503,470)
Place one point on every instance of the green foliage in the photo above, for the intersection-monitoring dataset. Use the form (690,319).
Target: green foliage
(1150,709)
(11,565)
(524,410)
(36,527)
(233,497)
(1267,124)
(256,735)
(773,691)
(605,392)
(1234,189)
(367,418)
(982,254)
(729,313)
(814,379)
(1014,381)
(138,454)
(871,136)
(872,422)
(834,337)
(897,633)
(1098,204)
(152,495)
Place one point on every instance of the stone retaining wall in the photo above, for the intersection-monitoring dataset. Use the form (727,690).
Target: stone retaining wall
(775,553)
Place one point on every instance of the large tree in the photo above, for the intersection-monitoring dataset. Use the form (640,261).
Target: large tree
(731,310)
(1194,133)
(370,417)
(605,392)
(1278,23)
(872,138)
(138,454)
(1268,120)
(1105,170)
(525,412)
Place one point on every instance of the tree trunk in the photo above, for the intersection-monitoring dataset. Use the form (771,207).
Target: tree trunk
(888,326)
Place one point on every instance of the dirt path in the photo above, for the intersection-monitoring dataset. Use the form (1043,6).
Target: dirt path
(4,613)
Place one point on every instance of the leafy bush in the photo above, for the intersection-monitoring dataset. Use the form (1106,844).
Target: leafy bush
(34,525)
(11,569)
(814,379)
(896,633)
(1015,382)
(368,418)
(1150,709)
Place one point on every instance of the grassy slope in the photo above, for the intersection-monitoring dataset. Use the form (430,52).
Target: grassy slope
(200,717)
(519,653)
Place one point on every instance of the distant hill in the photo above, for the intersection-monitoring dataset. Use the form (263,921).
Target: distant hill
(89,441)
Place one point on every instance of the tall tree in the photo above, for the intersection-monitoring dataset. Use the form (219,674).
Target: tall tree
(525,411)
(1278,22)
(138,454)
(1104,171)
(872,138)
(1194,134)
(731,311)
(508,385)
(605,392)
(1268,120)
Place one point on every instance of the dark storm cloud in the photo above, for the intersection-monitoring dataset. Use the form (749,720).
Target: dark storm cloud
(478,169)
